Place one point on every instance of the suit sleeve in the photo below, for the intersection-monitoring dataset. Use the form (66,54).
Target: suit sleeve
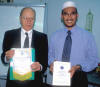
(5,47)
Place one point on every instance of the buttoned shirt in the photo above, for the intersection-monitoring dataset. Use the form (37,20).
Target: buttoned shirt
(83,50)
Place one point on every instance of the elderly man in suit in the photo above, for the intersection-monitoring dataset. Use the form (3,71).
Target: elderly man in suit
(15,39)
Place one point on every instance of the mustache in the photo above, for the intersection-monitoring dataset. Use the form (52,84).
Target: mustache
(69,20)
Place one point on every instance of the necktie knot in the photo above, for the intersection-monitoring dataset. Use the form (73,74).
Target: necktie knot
(69,33)
(26,33)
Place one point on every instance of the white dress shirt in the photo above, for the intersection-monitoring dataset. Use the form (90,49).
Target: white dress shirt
(23,36)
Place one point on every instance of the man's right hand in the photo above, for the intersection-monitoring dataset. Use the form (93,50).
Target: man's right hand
(9,54)
(51,67)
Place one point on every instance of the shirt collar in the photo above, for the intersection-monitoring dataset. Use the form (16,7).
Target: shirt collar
(72,30)
(24,31)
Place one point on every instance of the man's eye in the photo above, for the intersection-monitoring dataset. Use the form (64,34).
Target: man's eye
(65,13)
(73,13)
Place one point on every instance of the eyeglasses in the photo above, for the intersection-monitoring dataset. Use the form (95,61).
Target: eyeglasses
(28,18)
(69,14)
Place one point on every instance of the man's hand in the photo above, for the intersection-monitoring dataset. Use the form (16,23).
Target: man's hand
(51,67)
(9,54)
(36,66)
(74,69)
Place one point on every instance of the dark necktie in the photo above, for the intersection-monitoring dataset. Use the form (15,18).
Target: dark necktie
(67,48)
(26,42)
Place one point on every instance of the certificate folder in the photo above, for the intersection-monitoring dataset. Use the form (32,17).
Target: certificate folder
(20,64)
(61,75)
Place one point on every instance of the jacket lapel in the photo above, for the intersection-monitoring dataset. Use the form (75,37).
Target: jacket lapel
(33,39)
(17,39)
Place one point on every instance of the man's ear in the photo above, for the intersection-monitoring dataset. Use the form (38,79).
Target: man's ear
(77,15)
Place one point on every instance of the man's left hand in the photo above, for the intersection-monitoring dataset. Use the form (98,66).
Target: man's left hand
(74,69)
(36,66)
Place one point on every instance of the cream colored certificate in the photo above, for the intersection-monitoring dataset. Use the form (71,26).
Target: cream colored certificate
(21,63)
(61,75)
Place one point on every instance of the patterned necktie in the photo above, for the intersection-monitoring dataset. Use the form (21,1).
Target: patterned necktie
(26,42)
(67,48)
